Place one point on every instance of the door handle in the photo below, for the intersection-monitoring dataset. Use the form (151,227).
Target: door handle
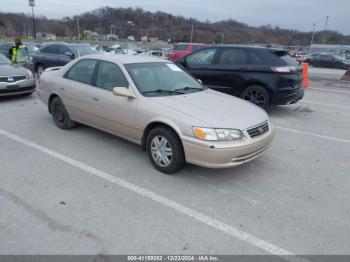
(95,99)
(62,88)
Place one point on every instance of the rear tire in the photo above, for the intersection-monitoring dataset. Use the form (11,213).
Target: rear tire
(60,115)
(165,150)
(257,95)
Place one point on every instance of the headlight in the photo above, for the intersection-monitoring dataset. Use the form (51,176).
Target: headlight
(29,75)
(217,134)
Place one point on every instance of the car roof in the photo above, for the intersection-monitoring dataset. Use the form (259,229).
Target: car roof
(127,59)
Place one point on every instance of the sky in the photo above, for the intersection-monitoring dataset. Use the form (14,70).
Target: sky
(291,14)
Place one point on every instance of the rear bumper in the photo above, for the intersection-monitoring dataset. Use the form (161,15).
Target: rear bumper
(217,155)
(288,95)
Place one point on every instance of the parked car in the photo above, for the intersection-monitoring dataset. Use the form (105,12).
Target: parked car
(328,60)
(14,79)
(58,54)
(181,49)
(153,103)
(260,75)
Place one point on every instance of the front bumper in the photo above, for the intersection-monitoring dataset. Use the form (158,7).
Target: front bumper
(222,154)
(17,88)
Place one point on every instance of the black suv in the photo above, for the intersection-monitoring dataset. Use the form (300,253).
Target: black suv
(59,54)
(328,60)
(262,76)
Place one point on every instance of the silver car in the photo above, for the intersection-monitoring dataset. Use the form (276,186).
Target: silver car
(153,103)
(15,79)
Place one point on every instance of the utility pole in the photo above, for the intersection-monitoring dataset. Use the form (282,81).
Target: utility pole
(78,27)
(222,38)
(325,29)
(32,4)
(192,35)
(313,34)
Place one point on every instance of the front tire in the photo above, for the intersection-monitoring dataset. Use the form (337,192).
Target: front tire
(257,95)
(60,115)
(165,150)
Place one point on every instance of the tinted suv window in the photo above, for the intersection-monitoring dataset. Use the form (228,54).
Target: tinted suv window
(287,59)
(50,49)
(233,56)
(203,57)
(180,47)
(109,76)
(82,71)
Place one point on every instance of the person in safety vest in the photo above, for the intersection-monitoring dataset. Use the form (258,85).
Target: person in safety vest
(18,53)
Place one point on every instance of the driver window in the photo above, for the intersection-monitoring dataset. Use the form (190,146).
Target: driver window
(203,57)
(109,75)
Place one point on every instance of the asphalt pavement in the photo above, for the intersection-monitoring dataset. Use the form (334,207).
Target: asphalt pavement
(87,192)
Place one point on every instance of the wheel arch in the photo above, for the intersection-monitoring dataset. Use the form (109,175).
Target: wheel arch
(51,97)
(159,123)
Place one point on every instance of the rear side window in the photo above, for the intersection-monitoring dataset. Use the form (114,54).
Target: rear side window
(62,50)
(109,76)
(180,47)
(82,71)
(233,56)
(50,49)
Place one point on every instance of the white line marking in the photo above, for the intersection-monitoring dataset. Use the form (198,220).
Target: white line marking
(329,90)
(212,222)
(325,104)
(313,134)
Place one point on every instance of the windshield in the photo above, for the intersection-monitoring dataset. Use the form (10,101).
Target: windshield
(162,79)
(81,50)
(4,60)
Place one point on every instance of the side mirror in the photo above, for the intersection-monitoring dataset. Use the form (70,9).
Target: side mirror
(69,54)
(123,91)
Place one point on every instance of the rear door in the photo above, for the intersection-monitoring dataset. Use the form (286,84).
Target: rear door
(227,73)
(77,91)
(62,57)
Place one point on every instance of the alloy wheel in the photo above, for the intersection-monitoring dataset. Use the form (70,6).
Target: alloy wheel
(161,151)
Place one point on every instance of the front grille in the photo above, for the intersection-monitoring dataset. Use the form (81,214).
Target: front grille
(15,90)
(258,130)
(5,79)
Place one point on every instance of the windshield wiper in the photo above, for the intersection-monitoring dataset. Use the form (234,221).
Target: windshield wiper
(187,88)
(159,91)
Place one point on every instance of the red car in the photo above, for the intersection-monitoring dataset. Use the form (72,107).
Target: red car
(181,49)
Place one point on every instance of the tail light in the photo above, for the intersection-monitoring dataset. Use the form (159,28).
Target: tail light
(284,69)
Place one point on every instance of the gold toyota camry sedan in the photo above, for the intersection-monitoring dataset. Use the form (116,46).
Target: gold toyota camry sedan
(153,103)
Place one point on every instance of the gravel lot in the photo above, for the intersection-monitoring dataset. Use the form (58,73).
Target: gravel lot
(87,192)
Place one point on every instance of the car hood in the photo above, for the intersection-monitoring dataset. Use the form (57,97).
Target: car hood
(216,109)
(11,70)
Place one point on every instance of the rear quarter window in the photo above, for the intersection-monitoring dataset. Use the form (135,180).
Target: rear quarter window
(271,57)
